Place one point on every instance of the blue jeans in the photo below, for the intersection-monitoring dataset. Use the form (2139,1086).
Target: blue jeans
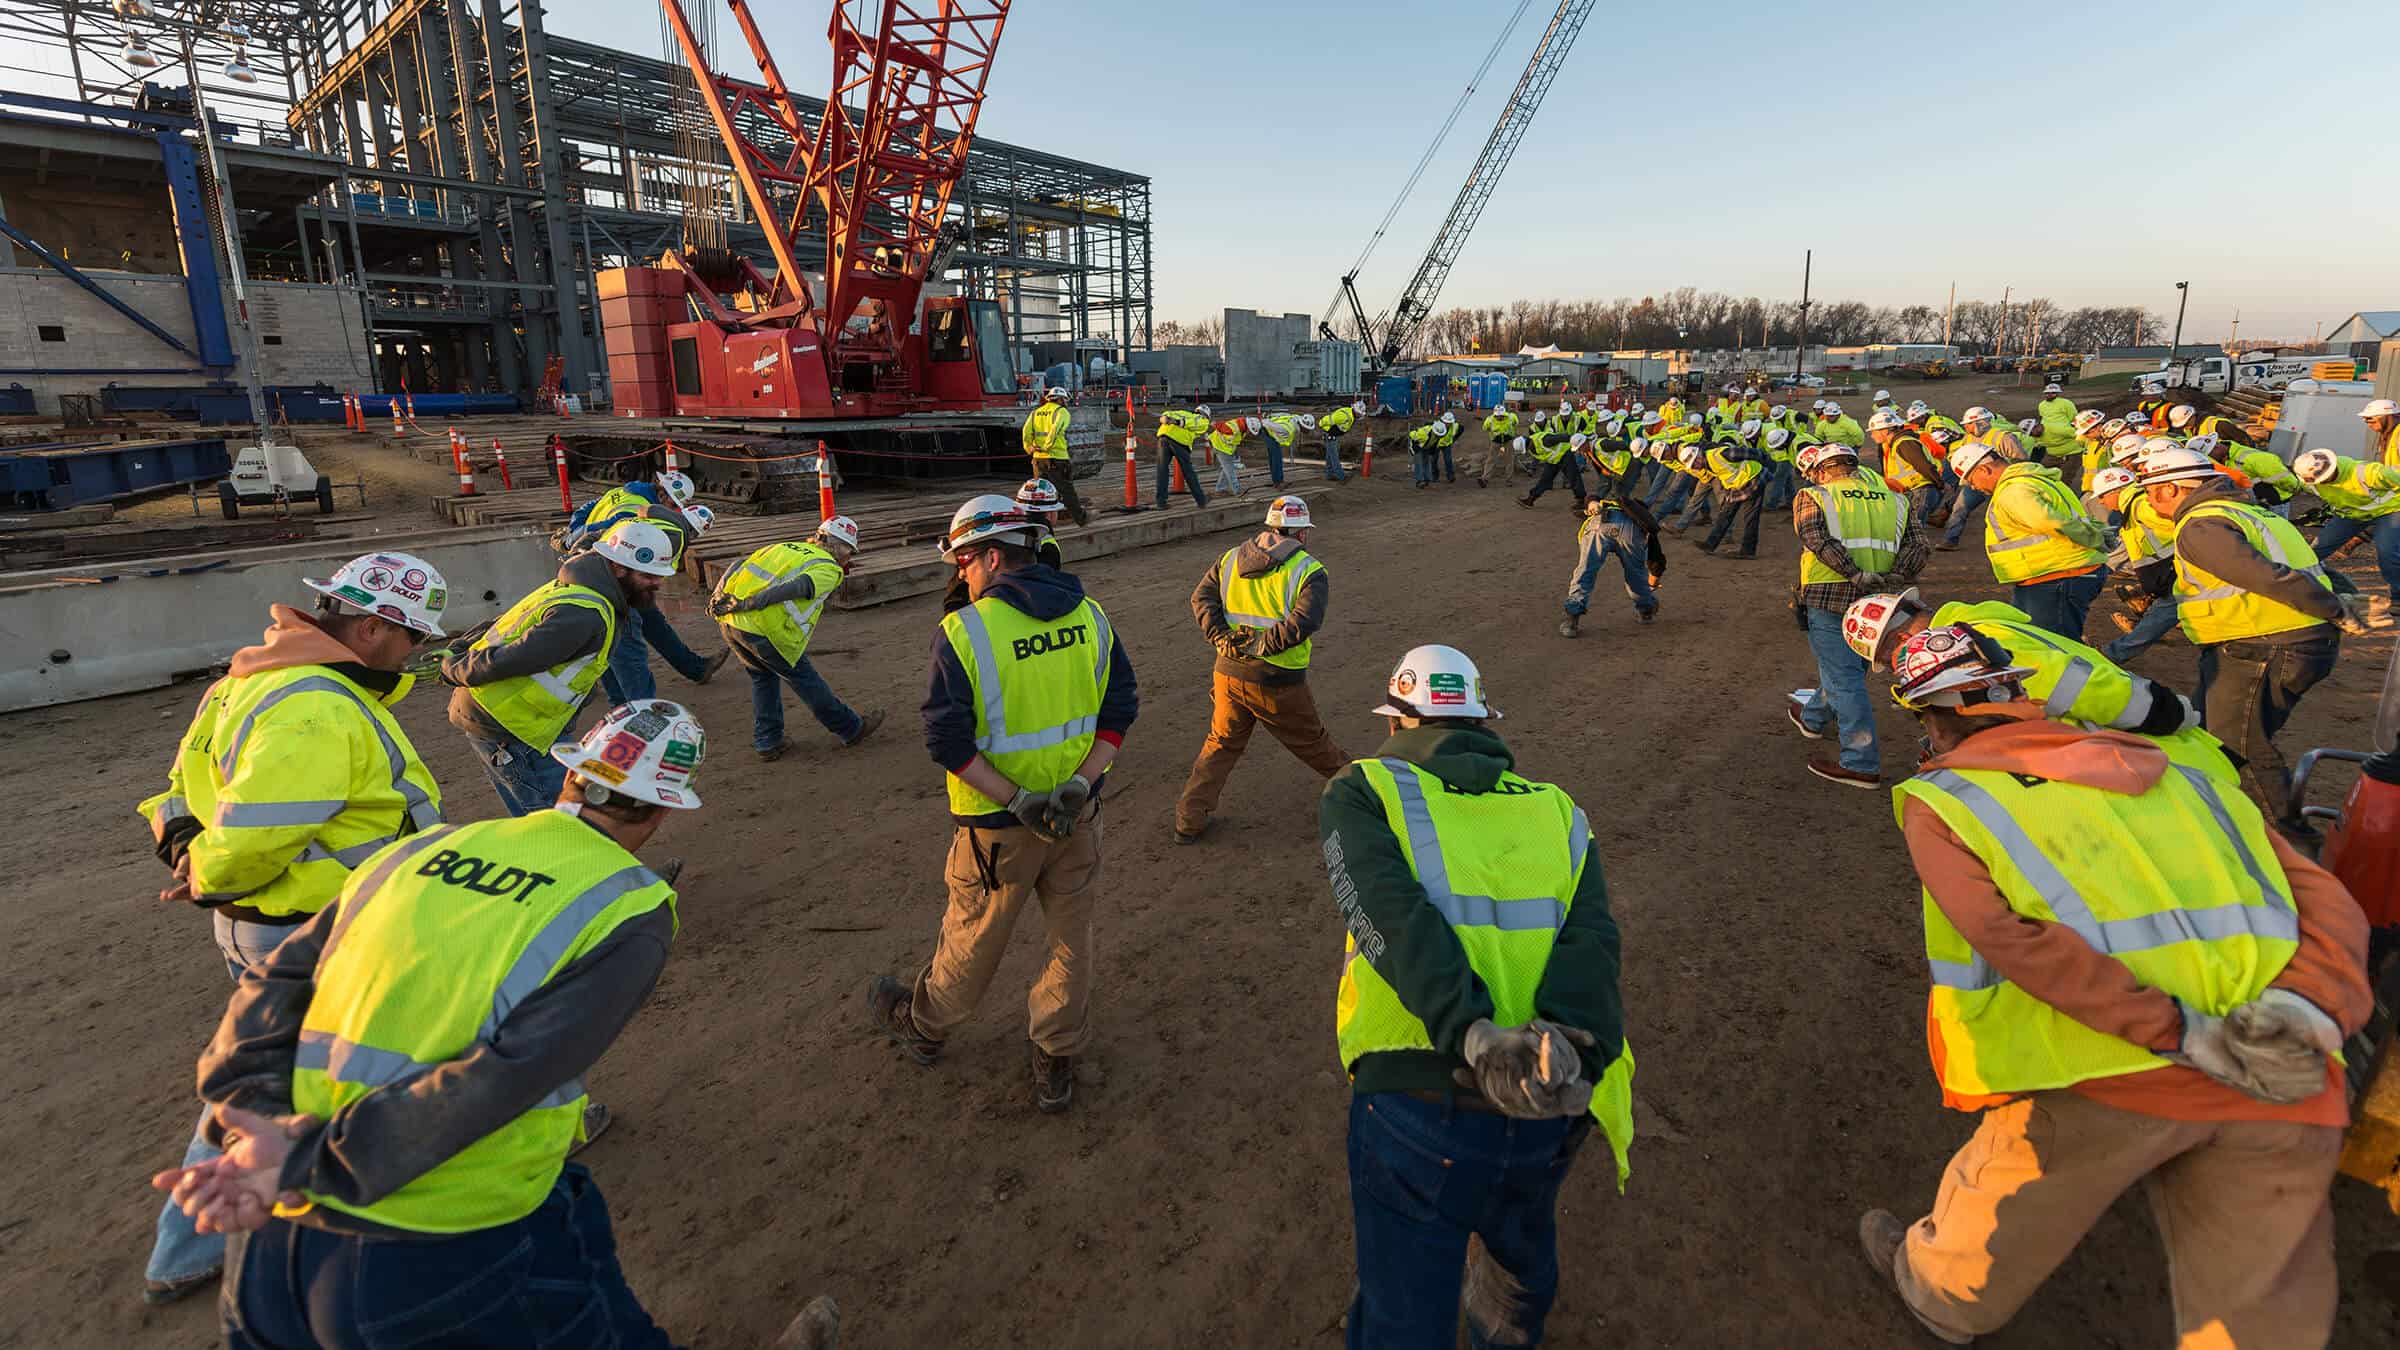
(1450,472)
(1421,466)
(1744,513)
(2062,606)
(1423,1179)
(2154,624)
(1229,474)
(628,677)
(550,1278)
(1571,466)
(527,779)
(1781,485)
(1677,494)
(180,1252)
(1333,459)
(1842,692)
(1968,500)
(1615,535)
(1274,461)
(1169,450)
(769,673)
(2383,533)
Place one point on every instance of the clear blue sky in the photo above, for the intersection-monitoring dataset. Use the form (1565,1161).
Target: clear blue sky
(2089,153)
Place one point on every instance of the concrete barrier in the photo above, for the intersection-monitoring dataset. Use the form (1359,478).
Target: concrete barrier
(155,620)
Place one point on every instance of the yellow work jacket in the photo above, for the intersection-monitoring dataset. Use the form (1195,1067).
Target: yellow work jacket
(2020,528)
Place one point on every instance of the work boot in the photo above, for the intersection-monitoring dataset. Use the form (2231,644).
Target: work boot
(1880,1235)
(866,728)
(818,1327)
(1704,546)
(1053,1082)
(1183,836)
(2122,620)
(773,752)
(1526,502)
(1571,626)
(1645,615)
(1947,546)
(887,999)
(156,1292)
(1479,481)
(596,1120)
(1831,771)
(712,665)
(1791,709)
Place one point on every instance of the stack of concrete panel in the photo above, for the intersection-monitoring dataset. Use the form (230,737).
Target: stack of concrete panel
(1262,353)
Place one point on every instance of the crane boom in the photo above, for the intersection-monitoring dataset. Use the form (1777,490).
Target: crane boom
(1416,303)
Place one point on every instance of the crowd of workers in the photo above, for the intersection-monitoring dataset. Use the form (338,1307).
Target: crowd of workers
(2136,976)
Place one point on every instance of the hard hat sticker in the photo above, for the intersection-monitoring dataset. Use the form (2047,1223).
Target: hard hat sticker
(1446,687)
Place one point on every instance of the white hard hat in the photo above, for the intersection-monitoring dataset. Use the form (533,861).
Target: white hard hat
(1968,455)
(2206,443)
(399,588)
(1639,445)
(1777,438)
(1056,394)
(648,750)
(1288,513)
(1641,407)
(839,529)
(639,545)
(1884,420)
(1359,407)
(1776,411)
(989,517)
(2087,419)
(1939,667)
(1517,445)
(1918,408)
(1451,416)
(1037,494)
(2181,414)
(1690,455)
(1816,405)
(2316,466)
(1748,428)
(2382,407)
(2111,429)
(1566,405)
(1540,416)
(678,486)
(1308,422)
(1883,396)
(1869,617)
(2052,388)
(1653,418)
(2126,448)
(2109,481)
(1691,419)
(2172,463)
(1576,441)
(2137,419)
(1832,409)
(1974,415)
(700,516)
(1436,681)
(1251,425)
(1201,409)
(2029,425)
(1817,457)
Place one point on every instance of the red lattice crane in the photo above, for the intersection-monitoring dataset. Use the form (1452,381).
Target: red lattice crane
(711,335)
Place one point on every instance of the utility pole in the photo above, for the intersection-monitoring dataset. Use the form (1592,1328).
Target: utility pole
(2000,344)
(2183,296)
(1949,314)
(1808,261)
(2232,350)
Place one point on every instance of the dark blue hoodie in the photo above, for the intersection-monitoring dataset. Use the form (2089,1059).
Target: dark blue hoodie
(1040,592)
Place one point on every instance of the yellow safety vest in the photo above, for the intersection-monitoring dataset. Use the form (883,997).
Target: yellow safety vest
(1038,688)
(616,502)
(1045,433)
(1865,517)
(2021,557)
(1898,473)
(2069,679)
(1266,600)
(1500,424)
(1181,428)
(2351,494)
(2145,533)
(327,780)
(1338,421)
(2214,610)
(2180,885)
(440,938)
(536,708)
(790,624)
(1502,869)
(1549,442)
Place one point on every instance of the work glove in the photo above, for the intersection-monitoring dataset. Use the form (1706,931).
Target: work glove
(1559,1086)
(1501,1063)
(2206,1046)
(1032,810)
(1873,581)
(2284,1042)
(1066,805)
(2362,615)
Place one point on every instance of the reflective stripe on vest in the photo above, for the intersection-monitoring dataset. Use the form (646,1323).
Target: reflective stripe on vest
(1996,543)
(518,703)
(1849,519)
(422,813)
(2200,595)
(995,737)
(1433,873)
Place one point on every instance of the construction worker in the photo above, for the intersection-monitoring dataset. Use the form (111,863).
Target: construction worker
(1225,437)
(2363,497)
(1424,453)
(1857,537)
(1046,446)
(1334,425)
(1779,445)
(1614,523)
(2068,679)
(399,1084)
(2037,537)
(2091,441)
(2271,481)
(2145,554)
(1738,474)
(2133,980)
(769,605)
(2057,415)
(1554,446)
(1260,606)
(1280,429)
(1478,1018)
(668,503)
(1445,435)
(518,688)
(1500,432)
(1836,425)
(292,771)
(2382,417)
(2252,597)
(1031,694)
(1909,468)
(1179,434)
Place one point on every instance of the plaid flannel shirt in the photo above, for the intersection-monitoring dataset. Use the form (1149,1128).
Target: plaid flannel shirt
(1808,521)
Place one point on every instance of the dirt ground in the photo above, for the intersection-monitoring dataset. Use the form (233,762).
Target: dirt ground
(770,1147)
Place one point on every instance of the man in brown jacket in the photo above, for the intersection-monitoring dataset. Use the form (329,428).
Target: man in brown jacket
(2134,980)
(1259,606)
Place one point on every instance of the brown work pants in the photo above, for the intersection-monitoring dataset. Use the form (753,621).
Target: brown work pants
(1287,711)
(991,874)
(2242,1206)
(1499,461)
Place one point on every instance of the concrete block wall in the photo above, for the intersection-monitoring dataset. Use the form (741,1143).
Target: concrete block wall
(307,334)
(1261,353)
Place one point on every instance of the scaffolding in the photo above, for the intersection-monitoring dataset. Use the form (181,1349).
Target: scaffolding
(488,168)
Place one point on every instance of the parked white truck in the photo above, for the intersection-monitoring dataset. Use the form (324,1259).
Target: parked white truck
(2258,370)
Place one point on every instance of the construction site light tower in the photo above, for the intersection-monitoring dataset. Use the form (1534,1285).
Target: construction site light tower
(1392,335)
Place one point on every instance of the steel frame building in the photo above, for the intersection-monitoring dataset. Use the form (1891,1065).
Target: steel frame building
(487,168)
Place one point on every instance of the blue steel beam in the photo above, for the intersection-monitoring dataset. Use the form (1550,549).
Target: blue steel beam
(76,275)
